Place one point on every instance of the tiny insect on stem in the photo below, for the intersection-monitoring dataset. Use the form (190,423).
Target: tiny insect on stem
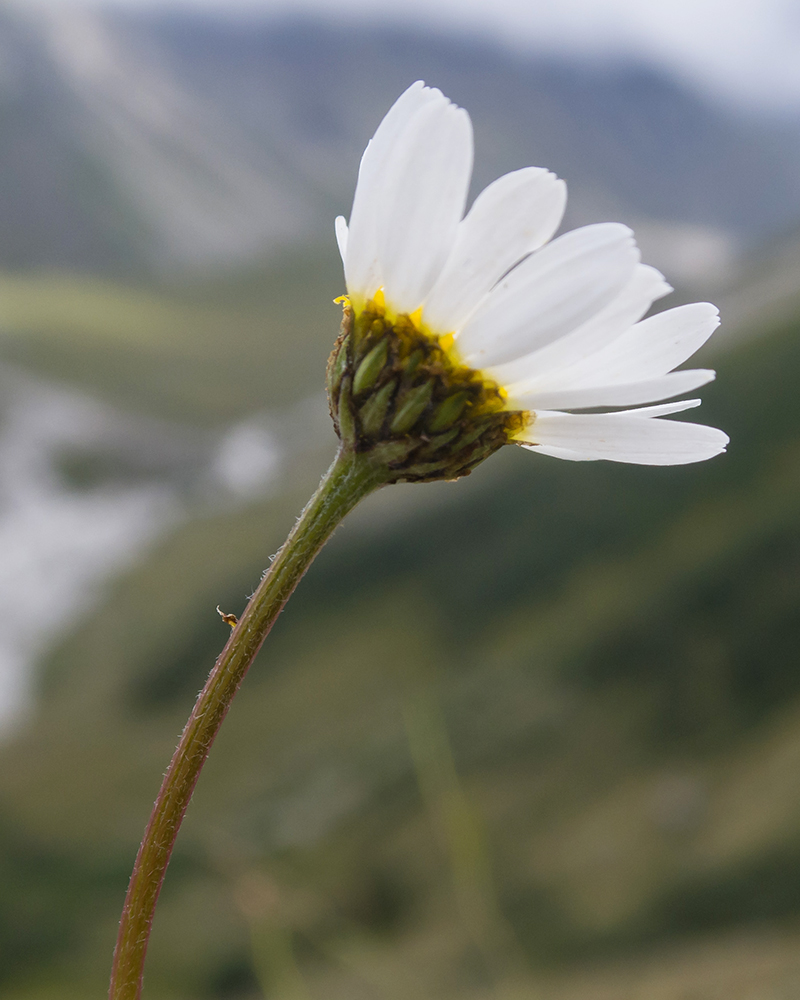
(229,619)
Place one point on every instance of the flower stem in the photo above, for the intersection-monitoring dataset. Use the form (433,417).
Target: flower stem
(460,829)
(350,478)
(456,821)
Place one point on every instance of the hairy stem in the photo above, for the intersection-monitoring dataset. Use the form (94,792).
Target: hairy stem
(350,478)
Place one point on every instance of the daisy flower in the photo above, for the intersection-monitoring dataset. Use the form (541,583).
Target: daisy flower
(460,334)
(466,332)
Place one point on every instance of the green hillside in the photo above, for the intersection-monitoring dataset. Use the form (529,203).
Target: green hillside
(205,351)
(612,650)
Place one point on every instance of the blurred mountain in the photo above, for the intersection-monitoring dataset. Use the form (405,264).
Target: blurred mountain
(612,650)
(143,141)
(766,289)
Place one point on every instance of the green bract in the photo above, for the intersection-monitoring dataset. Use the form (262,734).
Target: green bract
(396,394)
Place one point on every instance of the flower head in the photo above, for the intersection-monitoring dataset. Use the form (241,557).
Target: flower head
(464,333)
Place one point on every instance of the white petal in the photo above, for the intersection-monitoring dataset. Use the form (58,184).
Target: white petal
(650,348)
(550,294)
(662,410)
(542,368)
(624,437)
(629,394)
(341,236)
(513,216)
(425,193)
(362,270)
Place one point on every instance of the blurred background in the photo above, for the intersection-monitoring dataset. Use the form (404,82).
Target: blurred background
(535,734)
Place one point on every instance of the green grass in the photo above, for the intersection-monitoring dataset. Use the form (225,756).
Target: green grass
(614,650)
(205,352)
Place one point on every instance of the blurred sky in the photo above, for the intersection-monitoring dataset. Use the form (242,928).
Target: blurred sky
(745,50)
